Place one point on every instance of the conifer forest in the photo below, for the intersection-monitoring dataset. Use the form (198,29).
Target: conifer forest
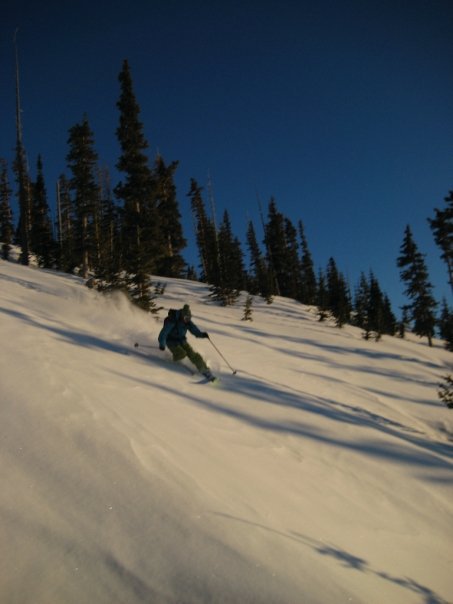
(120,235)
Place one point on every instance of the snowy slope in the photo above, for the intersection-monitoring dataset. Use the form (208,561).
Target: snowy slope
(320,473)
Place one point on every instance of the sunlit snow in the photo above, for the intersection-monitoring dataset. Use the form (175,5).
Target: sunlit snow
(320,473)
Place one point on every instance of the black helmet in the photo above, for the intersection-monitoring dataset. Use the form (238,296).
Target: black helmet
(185,313)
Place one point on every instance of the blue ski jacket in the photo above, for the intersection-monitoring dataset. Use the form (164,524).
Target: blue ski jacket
(175,330)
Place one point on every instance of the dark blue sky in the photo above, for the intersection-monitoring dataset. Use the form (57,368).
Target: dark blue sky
(341,110)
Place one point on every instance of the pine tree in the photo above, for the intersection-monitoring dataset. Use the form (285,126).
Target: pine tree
(231,254)
(282,253)
(372,309)
(403,325)
(206,236)
(248,309)
(293,270)
(108,263)
(309,285)
(191,273)
(322,300)
(445,391)
(6,215)
(82,161)
(275,242)
(375,321)
(66,244)
(231,264)
(141,236)
(171,264)
(442,227)
(361,300)
(24,187)
(260,278)
(256,260)
(446,325)
(390,322)
(339,302)
(41,238)
(418,288)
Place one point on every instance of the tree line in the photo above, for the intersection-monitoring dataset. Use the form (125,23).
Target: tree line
(118,236)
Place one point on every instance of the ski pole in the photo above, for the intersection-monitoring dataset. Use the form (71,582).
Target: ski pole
(233,370)
(136,345)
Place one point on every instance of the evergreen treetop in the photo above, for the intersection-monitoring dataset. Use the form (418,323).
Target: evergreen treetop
(442,227)
(414,273)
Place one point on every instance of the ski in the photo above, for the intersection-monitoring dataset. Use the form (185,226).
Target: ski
(212,380)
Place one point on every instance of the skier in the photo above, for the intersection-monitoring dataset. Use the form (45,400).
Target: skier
(173,335)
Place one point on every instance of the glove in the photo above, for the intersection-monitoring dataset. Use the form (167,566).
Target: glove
(204,334)
(161,347)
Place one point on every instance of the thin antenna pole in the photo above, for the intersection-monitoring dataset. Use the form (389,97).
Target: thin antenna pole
(18,108)
(24,193)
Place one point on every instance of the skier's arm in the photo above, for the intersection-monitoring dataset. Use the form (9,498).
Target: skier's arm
(163,335)
(196,332)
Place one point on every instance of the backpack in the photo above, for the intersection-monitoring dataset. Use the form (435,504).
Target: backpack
(172,316)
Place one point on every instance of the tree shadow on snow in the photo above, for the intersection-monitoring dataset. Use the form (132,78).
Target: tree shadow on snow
(345,559)
(85,340)
(414,450)
(426,454)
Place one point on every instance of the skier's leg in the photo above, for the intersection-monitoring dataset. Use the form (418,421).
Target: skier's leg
(177,351)
(196,358)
